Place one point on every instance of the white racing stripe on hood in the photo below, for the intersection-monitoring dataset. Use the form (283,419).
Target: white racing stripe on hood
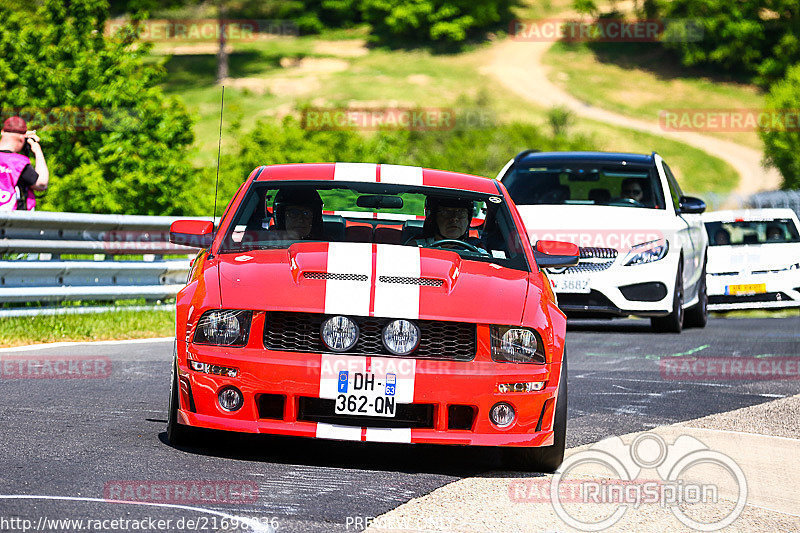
(355,172)
(397,300)
(348,297)
(401,174)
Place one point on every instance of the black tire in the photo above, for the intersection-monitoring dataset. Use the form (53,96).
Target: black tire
(697,315)
(545,459)
(673,322)
(177,433)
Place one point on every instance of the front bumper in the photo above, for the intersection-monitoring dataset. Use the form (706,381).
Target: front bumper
(296,379)
(617,291)
(776,290)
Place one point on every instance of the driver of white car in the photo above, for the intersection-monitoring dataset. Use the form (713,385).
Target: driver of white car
(632,188)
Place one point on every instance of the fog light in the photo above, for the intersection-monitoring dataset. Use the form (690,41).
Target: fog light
(339,333)
(530,386)
(230,399)
(401,337)
(502,414)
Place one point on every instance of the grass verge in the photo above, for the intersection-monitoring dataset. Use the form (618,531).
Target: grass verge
(641,80)
(111,325)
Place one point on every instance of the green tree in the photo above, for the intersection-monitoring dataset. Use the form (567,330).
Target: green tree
(760,38)
(782,145)
(433,21)
(114,142)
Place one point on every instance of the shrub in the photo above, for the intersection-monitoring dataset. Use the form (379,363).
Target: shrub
(782,146)
(59,64)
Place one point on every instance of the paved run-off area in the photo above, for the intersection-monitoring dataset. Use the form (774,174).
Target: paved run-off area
(71,446)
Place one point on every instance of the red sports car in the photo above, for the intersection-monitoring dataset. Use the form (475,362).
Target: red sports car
(377,303)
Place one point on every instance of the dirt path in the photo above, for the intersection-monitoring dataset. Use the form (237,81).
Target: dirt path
(518,66)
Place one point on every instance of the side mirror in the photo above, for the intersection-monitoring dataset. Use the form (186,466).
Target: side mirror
(691,205)
(556,254)
(194,233)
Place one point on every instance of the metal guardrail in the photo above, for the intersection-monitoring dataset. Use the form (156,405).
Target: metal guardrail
(39,273)
(790,199)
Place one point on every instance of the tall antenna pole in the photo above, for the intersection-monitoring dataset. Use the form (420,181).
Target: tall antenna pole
(216,186)
(219,151)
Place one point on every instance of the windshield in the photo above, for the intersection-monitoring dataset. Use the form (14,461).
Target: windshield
(780,230)
(584,184)
(477,226)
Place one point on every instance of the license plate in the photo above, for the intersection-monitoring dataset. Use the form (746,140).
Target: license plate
(746,289)
(366,394)
(570,285)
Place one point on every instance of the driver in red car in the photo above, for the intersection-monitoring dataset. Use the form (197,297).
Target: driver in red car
(298,213)
(447,219)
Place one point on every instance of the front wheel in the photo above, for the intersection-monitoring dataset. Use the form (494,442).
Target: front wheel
(177,433)
(697,315)
(673,322)
(545,458)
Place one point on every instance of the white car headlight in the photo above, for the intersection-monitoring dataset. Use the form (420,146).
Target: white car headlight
(647,252)
(339,333)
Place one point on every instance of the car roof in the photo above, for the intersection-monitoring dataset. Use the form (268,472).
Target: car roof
(588,157)
(731,215)
(376,173)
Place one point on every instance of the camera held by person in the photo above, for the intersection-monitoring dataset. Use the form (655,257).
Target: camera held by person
(18,177)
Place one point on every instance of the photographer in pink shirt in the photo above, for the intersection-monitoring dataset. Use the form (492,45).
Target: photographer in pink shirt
(18,178)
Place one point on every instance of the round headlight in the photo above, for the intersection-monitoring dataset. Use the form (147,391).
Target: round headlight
(401,337)
(221,327)
(339,333)
(518,345)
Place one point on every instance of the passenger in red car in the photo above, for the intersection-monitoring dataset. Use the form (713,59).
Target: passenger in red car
(298,213)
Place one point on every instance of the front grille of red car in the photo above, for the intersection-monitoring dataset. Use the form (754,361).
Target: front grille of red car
(300,332)
(412,415)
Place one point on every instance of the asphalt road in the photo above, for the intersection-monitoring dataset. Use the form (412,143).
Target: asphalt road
(68,444)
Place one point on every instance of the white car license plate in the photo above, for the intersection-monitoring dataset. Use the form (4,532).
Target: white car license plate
(570,284)
(366,394)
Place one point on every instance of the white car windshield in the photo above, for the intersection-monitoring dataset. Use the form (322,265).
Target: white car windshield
(584,184)
(739,232)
